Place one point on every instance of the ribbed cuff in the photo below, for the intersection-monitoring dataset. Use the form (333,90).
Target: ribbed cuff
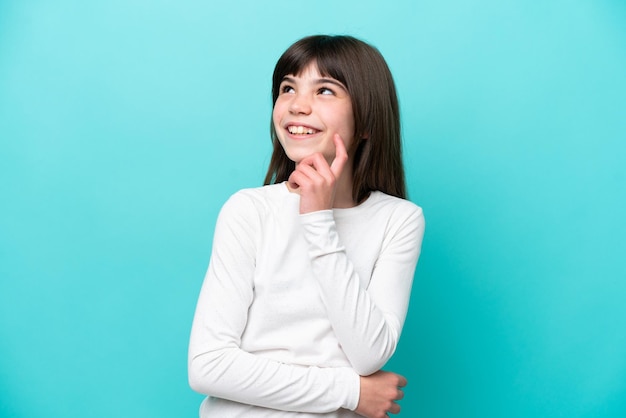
(348,386)
(321,233)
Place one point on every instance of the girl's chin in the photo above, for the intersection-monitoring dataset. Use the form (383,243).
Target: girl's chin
(297,155)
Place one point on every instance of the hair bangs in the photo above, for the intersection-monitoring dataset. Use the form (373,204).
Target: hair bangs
(321,51)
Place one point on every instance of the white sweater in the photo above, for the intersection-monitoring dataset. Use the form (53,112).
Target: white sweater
(295,307)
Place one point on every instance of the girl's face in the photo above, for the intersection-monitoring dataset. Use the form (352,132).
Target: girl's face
(309,110)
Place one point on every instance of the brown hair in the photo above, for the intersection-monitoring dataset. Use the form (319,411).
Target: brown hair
(377,144)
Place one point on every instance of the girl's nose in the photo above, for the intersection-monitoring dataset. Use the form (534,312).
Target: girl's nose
(300,105)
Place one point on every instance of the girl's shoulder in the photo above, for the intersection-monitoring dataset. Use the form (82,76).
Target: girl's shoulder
(258,199)
(382,209)
(262,194)
(396,209)
(383,204)
(381,199)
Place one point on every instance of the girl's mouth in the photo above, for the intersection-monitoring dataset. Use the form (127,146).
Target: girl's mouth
(301,130)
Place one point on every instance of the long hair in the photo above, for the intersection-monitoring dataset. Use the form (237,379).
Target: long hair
(377,150)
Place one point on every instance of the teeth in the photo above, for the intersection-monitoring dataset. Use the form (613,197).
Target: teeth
(299,130)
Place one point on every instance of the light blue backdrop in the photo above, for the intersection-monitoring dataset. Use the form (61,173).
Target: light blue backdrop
(124,125)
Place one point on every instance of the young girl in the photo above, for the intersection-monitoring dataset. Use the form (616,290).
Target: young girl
(310,276)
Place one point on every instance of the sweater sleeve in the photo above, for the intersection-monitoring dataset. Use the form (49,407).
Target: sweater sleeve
(217,365)
(367,321)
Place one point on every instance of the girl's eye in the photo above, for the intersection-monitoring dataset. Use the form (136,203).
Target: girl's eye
(286,89)
(326,90)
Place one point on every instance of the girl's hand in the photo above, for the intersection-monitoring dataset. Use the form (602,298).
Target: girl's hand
(316,181)
(379,393)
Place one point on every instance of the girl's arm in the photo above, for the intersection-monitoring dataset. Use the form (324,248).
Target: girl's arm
(218,366)
(367,321)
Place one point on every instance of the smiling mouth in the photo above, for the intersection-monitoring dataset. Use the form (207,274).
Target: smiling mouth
(301,130)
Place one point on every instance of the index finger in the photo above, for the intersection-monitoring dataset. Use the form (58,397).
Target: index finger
(341,156)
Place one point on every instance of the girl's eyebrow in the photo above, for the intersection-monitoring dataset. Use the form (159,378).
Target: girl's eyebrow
(317,81)
(331,81)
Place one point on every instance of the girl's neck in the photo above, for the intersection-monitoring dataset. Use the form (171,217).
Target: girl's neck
(343,191)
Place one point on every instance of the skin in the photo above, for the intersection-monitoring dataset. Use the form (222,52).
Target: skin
(323,174)
(379,393)
(323,178)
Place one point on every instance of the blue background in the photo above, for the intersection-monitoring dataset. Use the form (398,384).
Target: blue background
(124,125)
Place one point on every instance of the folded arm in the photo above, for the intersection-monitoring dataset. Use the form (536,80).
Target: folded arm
(218,366)
(367,321)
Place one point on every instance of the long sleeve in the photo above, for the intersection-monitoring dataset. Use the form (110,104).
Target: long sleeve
(217,365)
(366,319)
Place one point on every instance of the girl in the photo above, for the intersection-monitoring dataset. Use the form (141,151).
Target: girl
(310,276)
